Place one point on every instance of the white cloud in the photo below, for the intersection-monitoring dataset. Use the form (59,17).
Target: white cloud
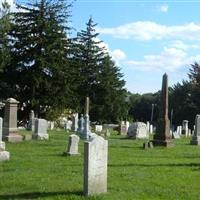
(148,30)
(170,60)
(164,8)
(118,55)
(10,2)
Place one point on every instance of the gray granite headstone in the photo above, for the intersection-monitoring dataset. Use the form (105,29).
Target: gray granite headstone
(40,132)
(72,149)
(31,123)
(138,130)
(196,137)
(95,166)
(10,122)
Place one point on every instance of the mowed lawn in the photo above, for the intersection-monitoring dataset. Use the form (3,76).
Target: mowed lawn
(37,170)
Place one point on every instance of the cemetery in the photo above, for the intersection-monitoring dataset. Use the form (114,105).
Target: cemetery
(72,123)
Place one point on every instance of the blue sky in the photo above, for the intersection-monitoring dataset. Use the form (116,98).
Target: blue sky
(145,38)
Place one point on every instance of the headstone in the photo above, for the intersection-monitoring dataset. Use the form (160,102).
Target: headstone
(95,166)
(175,135)
(4,155)
(185,128)
(145,145)
(2,144)
(162,136)
(98,128)
(10,122)
(179,130)
(196,137)
(72,149)
(151,129)
(123,130)
(40,132)
(81,125)
(75,122)
(150,145)
(148,126)
(31,123)
(138,130)
(51,125)
(68,125)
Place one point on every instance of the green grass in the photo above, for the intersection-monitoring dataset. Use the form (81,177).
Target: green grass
(37,170)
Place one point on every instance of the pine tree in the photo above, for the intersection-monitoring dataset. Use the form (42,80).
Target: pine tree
(98,77)
(39,69)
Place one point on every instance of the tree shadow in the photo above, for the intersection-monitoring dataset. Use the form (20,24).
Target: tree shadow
(156,165)
(34,195)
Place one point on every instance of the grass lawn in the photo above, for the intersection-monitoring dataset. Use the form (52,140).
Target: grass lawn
(37,170)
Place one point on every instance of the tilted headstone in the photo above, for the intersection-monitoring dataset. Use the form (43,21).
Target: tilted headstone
(40,132)
(4,155)
(163,136)
(72,149)
(138,130)
(75,122)
(10,122)
(196,137)
(95,166)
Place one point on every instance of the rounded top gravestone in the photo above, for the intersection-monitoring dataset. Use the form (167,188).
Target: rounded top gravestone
(138,130)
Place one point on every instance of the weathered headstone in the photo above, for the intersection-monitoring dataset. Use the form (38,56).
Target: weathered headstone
(98,128)
(175,135)
(179,130)
(68,125)
(148,126)
(40,132)
(10,122)
(2,144)
(72,149)
(81,124)
(151,129)
(138,130)
(162,136)
(75,122)
(185,128)
(95,166)
(122,127)
(4,155)
(196,137)
(31,124)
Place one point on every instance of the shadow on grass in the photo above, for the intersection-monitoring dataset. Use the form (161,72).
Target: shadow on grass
(157,165)
(33,195)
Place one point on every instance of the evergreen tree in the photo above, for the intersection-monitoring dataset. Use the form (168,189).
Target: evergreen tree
(39,70)
(98,77)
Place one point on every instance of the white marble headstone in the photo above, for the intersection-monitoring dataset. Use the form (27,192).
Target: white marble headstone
(95,166)
(40,129)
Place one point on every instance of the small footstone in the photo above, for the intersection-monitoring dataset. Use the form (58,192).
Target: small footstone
(145,145)
(150,145)
(4,155)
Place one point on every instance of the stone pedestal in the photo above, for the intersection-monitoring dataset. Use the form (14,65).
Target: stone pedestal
(196,137)
(10,122)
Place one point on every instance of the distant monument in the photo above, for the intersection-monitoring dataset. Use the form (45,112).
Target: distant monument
(163,136)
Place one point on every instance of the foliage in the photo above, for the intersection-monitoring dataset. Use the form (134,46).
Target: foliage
(38,71)
(98,77)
